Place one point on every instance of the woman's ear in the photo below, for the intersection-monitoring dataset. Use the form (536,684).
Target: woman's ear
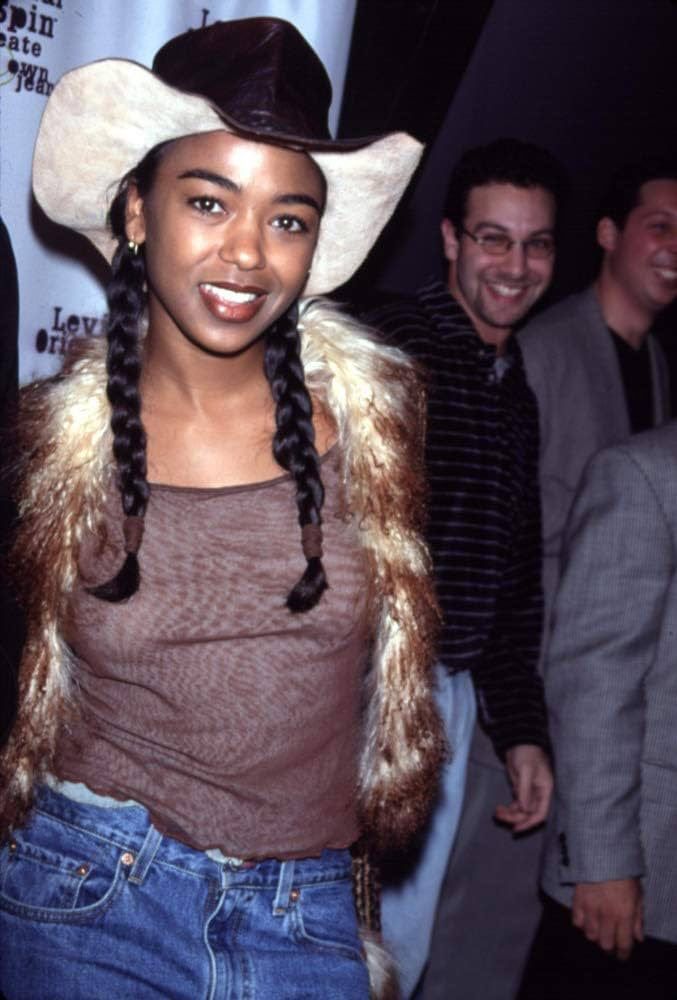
(135,219)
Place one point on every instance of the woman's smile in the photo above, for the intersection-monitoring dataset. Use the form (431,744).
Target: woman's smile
(232,303)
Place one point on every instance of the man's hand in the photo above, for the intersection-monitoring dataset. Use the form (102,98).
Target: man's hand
(610,913)
(530,775)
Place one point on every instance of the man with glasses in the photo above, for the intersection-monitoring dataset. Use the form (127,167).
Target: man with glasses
(484,528)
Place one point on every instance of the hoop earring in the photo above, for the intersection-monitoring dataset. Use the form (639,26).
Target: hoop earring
(133,247)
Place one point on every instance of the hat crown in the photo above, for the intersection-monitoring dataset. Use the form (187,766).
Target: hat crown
(260,73)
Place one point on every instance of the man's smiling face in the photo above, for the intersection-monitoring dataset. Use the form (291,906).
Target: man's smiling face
(642,256)
(497,291)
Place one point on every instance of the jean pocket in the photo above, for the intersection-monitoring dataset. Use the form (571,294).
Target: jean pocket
(53,872)
(323,916)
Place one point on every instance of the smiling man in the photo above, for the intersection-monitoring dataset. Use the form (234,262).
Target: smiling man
(500,250)
(596,369)
(484,528)
(599,376)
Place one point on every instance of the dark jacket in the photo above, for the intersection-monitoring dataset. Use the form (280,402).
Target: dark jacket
(484,524)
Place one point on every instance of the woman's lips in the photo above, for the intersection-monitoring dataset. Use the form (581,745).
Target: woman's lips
(232,303)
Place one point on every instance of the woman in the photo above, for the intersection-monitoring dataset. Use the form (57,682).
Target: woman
(199,739)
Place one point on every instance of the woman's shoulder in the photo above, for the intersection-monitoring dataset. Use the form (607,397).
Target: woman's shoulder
(372,391)
(343,346)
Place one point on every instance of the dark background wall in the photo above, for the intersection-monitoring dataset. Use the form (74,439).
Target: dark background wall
(593,80)
(406,60)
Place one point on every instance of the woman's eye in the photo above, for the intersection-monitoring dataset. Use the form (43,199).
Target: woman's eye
(207,205)
(290,224)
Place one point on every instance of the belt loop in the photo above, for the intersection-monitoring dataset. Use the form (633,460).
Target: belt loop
(284,887)
(144,858)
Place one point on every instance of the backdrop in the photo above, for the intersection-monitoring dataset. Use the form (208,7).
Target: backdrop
(39,41)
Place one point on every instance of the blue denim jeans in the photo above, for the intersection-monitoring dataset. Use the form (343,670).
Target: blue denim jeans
(409,904)
(95,902)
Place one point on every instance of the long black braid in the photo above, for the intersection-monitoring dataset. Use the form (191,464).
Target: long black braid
(293,442)
(126,302)
(294,449)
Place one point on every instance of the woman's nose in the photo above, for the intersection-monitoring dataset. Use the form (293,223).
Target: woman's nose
(242,245)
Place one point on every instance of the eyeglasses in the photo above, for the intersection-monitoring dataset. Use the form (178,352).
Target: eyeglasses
(498,244)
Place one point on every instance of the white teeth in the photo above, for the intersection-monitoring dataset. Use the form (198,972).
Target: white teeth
(667,273)
(507,290)
(228,294)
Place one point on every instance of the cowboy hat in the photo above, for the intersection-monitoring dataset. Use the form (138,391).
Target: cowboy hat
(255,77)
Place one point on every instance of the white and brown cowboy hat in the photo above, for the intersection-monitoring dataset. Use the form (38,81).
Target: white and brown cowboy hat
(255,77)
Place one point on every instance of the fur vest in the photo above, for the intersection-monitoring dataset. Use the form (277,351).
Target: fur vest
(377,404)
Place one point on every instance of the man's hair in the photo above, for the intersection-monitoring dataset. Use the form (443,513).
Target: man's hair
(504,161)
(622,195)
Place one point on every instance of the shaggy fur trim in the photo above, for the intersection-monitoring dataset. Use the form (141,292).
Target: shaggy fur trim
(375,397)
(377,403)
(383,983)
(64,444)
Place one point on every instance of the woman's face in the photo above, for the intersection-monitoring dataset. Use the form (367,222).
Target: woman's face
(229,229)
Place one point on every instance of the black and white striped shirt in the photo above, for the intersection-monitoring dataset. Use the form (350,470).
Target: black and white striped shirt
(484,522)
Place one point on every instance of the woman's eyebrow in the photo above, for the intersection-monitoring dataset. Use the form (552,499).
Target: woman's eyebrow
(294,198)
(207,175)
(298,199)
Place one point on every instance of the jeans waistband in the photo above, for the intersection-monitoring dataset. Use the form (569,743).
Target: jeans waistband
(130,829)
(79,792)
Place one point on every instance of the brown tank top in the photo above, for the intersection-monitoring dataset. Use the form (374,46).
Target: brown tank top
(234,721)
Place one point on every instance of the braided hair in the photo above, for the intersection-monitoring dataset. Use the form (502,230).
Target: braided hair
(126,302)
(293,442)
(294,449)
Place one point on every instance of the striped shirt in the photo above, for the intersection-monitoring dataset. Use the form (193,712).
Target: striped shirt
(484,519)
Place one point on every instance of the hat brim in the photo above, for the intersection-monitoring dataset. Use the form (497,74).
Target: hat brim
(101,120)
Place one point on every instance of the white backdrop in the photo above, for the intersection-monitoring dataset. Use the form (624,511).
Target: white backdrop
(41,39)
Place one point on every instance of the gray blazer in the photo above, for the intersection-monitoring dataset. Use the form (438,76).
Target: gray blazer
(572,367)
(611,680)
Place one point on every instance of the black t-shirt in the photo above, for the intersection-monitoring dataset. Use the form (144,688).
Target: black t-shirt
(635,366)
